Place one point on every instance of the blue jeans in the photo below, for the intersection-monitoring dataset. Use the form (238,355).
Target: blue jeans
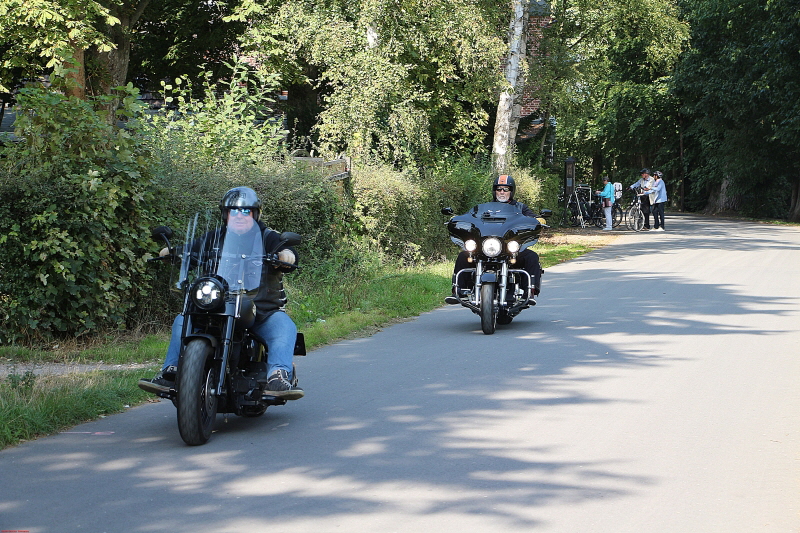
(278,331)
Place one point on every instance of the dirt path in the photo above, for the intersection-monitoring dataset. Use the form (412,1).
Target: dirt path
(47,369)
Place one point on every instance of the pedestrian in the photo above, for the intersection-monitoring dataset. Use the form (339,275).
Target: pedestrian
(607,196)
(645,184)
(660,193)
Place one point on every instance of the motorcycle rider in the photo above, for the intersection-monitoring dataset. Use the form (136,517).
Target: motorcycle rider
(503,190)
(241,211)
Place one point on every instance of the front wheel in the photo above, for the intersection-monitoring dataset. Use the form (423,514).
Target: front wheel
(197,401)
(488,313)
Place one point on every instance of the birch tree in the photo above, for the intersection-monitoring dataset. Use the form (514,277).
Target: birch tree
(508,107)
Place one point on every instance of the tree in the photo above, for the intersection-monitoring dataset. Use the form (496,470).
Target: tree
(602,71)
(176,38)
(38,36)
(744,129)
(508,107)
(394,77)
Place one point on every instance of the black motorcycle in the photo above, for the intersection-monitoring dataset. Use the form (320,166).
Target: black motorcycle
(222,366)
(493,234)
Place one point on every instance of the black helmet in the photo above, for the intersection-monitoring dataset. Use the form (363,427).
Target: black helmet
(644,171)
(504,180)
(241,197)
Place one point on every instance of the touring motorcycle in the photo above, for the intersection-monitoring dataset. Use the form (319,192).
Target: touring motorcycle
(222,366)
(493,234)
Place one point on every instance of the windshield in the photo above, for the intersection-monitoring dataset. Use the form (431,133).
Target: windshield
(234,253)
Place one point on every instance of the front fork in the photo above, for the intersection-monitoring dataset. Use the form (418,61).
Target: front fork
(502,284)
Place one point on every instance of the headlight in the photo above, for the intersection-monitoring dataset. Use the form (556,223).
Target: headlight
(470,245)
(513,247)
(208,293)
(492,247)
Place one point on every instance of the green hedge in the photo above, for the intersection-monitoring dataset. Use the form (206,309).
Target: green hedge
(77,202)
(79,196)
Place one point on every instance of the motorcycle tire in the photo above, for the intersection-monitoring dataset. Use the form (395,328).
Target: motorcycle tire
(488,313)
(197,403)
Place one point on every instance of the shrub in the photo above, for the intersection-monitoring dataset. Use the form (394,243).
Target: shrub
(75,205)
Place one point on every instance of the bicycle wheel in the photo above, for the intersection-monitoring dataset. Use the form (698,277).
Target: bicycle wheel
(598,217)
(630,215)
(616,215)
(636,220)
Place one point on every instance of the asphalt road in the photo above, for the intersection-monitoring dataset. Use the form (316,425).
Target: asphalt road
(653,389)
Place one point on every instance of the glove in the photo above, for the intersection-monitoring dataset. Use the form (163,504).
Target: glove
(287,256)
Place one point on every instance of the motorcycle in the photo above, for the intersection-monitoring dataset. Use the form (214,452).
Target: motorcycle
(222,366)
(493,234)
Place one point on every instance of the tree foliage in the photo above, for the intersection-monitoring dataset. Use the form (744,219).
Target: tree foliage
(183,38)
(43,35)
(394,77)
(738,84)
(602,70)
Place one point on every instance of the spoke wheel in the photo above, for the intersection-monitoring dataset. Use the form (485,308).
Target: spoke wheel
(616,215)
(635,219)
(197,403)
(488,312)
(599,218)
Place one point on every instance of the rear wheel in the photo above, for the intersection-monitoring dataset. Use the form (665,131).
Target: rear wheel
(599,217)
(488,313)
(616,215)
(197,403)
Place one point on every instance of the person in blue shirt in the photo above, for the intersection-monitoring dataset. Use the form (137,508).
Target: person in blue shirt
(607,195)
(660,201)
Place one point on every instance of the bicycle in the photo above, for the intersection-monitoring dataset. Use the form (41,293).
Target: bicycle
(577,211)
(599,217)
(634,218)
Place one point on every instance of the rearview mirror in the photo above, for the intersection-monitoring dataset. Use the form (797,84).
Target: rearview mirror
(290,238)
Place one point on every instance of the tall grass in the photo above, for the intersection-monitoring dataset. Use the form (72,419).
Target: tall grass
(32,406)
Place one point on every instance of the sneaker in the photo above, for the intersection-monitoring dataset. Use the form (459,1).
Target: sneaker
(169,373)
(278,385)
(451,300)
(162,382)
(607,229)
(659,229)
(279,381)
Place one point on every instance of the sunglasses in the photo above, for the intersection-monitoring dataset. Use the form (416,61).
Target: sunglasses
(502,189)
(237,211)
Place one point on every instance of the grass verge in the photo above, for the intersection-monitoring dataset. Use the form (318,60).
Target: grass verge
(33,405)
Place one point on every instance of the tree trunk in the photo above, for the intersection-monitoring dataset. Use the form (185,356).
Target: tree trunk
(720,201)
(76,77)
(111,68)
(508,107)
(794,207)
